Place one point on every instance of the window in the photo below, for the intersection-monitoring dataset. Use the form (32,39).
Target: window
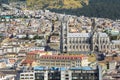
(26,74)
(76,41)
(73,41)
(80,47)
(70,41)
(22,78)
(22,74)
(87,47)
(79,41)
(73,47)
(103,41)
(31,77)
(67,79)
(83,46)
(104,46)
(76,46)
(70,46)
(31,74)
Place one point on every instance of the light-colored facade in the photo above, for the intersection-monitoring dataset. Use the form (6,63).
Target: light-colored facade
(63,60)
(27,76)
(54,73)
(85,42)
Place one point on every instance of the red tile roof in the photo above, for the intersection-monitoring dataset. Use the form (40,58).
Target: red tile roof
(27,61)
(35,52)
(67,57)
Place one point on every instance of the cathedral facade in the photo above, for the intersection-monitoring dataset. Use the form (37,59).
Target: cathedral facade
(93,41)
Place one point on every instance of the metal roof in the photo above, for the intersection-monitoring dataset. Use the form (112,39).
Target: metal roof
(85,35)
(116,41)
(39,68)
(81,68)
(103,35)
(78,35)
(62,68)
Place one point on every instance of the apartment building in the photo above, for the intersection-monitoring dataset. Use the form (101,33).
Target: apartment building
(27,76)
(55,73)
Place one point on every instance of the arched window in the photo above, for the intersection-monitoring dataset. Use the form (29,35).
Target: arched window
(104,46)
(103,41)
(73,41)
(83,46)
(73,46)
(76,40)
(79,40)
(70,41)
(87,47)
(70,47)
(80,46)
(106,40)
(76,46)
(65,48)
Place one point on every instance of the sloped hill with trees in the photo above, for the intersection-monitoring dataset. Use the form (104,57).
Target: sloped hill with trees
(91,8)
(96,8)
(57,4)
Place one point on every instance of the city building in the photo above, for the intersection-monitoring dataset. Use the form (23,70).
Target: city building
(27,76)
(54,73)
(76,42)
(62,60)
(6,74)
(32,56)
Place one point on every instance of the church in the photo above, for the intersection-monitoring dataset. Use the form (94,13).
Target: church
(93,41)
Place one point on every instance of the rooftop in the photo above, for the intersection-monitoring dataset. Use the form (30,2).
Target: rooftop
(86,34)
(116,41)
(66,57)
(27,61)
(78,35)
(62,68)
(81,68)
(35,51)
(103,35)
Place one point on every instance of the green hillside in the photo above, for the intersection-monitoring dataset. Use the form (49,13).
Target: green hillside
(96,8)
(58,4)
(91,8)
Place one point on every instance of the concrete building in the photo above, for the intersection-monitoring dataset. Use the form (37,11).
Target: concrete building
(6,74)
(54,73)
(85,42)
(27,76)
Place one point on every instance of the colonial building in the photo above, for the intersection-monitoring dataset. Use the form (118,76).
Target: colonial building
(32,56)
(63,60)
(76,42)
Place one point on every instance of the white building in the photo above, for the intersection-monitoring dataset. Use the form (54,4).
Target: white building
(27,76)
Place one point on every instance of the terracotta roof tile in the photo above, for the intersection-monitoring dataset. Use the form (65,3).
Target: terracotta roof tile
(72,57)
(27,61)
(35,52)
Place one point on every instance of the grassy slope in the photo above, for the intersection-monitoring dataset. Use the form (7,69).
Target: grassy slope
(96,8)
(67,4)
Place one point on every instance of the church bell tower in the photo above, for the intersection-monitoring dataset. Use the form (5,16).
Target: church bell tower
(94,39)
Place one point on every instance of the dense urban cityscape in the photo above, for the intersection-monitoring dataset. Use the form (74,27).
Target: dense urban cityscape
(44,45)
